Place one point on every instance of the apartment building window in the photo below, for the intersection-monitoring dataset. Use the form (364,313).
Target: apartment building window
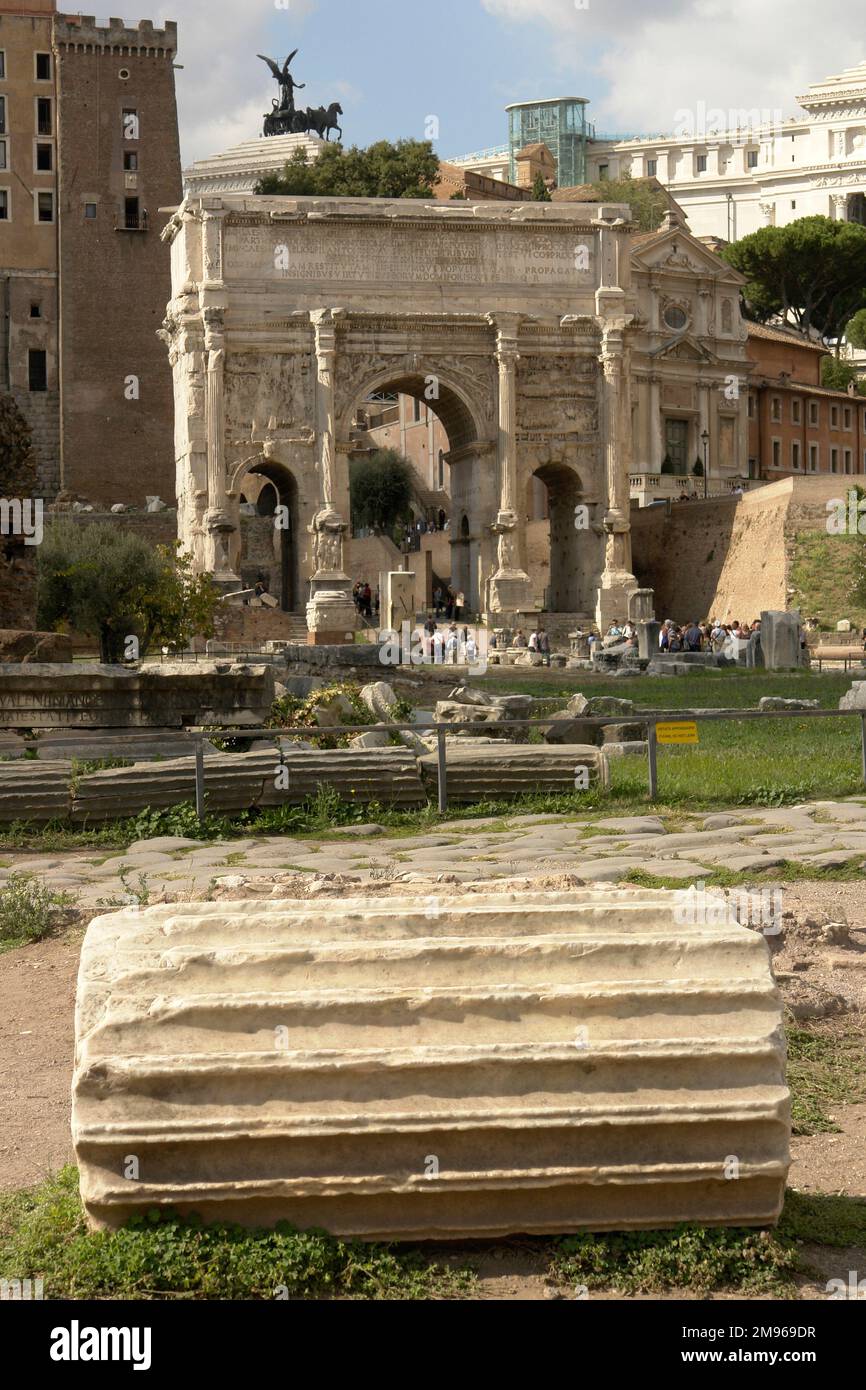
(130,123)
(36,311)
(751,159)
(2,65)
(130,160)
(777,453)
(795,412)
(834,417)
(751,407)
(43,67)
(44,157)
(834,460)
(846,417)
(776,408)
(2,154)
(814,458)
(652,166)
(849,461)
(90,212)
(44,207)
(4,204)
(44,116)
(813,413)
(37,369)
(795,454)
(2,115)
(701,163)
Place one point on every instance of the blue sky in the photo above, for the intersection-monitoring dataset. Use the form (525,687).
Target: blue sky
(392,63)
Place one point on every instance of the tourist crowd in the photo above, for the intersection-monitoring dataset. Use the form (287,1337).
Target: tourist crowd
(708,635)
(537,641)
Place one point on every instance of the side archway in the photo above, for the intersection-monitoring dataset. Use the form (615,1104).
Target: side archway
(272,489)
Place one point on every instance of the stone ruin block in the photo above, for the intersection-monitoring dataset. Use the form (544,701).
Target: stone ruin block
(495,771)
(96,696)
(570,1061)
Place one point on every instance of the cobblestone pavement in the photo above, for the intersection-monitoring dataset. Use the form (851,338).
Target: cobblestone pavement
(820,833)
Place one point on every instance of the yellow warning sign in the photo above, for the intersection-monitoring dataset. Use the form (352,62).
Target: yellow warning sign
(679,731)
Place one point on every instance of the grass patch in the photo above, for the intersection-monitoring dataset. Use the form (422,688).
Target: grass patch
(788,871)
(824,577)
(824,1219)
(29,910)
(688,1257)
(825,1070)
(160,1255)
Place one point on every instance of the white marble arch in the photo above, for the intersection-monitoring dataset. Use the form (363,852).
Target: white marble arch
(285,312)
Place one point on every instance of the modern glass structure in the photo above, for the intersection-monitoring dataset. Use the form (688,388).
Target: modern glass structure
(562,125)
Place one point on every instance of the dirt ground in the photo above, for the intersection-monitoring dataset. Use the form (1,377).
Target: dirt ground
(37,995)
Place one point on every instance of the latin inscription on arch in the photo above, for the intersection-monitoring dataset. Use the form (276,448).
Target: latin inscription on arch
(410,255)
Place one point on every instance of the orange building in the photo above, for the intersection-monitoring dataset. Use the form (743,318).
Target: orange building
(796,425)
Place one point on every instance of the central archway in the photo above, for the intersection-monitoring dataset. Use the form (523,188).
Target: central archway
(446,479)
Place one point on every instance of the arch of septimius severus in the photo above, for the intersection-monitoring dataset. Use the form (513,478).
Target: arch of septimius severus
(511,320)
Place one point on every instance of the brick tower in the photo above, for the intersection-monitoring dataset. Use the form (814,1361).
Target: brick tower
(118,162)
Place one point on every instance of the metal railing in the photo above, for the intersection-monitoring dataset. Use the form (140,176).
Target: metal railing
(649,719)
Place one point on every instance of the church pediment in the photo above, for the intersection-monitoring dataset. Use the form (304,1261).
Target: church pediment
(679,252)
(683,349)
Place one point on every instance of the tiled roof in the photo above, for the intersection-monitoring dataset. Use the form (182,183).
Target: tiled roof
(791,336)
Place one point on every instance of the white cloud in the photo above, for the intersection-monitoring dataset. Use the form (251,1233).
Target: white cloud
(224,90)
(658,58)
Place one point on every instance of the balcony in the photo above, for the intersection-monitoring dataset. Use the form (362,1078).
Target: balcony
(131,221)
(646,488)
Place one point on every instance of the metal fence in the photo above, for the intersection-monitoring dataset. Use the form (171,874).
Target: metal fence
(648,720)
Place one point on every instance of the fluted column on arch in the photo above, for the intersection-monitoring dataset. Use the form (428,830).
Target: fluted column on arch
(510,586)
(617,581)
(331,613)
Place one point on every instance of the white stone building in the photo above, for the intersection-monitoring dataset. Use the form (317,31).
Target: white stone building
(238,170)
(733,172)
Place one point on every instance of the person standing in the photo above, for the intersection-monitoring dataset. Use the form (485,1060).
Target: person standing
(694,638)
(544,646)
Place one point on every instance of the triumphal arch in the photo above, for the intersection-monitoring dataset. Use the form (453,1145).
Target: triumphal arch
(510,319)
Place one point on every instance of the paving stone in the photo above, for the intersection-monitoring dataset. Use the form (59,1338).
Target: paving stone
(721,821)
(673,868)
(359,832)
(139,861)
(603,870)
(522,822)
(829,858)
(745,862)
(841,811)
(633,825)
(163,844)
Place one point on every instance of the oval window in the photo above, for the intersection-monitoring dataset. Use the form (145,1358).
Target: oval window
(124,74)
(675,317)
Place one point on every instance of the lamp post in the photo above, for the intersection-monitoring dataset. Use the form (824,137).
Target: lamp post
(705,440)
